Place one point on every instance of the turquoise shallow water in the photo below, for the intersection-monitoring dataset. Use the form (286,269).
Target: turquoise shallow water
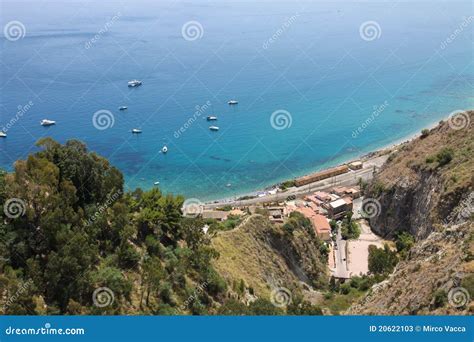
(307,58)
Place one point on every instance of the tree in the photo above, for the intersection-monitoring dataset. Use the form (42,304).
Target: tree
(381,260)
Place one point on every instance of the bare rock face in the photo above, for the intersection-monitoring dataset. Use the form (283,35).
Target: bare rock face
(417,188)
(426,189)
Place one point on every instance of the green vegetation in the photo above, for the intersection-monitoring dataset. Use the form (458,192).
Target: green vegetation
(404,241)
(231,222)
(298,221)
(349,228)
(444,156)
(80,232)
(287,184)
(382,260)
(440,298)
(424,133)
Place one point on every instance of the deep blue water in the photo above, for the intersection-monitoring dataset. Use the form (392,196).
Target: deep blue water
(318,68)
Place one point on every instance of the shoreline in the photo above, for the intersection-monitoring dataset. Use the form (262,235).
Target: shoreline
(363,157)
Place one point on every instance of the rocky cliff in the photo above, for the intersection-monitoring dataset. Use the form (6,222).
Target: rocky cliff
(425,180)
(426,188)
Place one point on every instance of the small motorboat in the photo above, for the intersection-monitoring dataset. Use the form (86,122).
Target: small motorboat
(211,118)
(134,83)
(213,128)
(136,131)
(123,108)
(156,183)
(233,102)
(3,135)
(46,122)
(164,149)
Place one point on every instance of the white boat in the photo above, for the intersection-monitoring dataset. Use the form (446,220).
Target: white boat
(46,122)
(3,135)
(164,149)
(136,131)
(211,118)
(213,128)
(134,83)
(233,102)
(156,183)
(123,108)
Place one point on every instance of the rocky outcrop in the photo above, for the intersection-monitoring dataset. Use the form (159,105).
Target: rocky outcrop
(426,188)
(414,191)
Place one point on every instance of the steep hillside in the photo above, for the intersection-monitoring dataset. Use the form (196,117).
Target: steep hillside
(425,180)
(426,189)
(265,257)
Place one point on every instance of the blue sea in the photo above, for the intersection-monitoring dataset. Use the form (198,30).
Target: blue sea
(318,83)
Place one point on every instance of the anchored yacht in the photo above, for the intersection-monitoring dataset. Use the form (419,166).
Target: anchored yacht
(213,128)
(211,118)
(136,131)
(233,102)
(46,122)
(134,83)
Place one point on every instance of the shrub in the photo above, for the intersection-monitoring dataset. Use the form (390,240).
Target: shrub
(424,133)
(444,156)
(440,298)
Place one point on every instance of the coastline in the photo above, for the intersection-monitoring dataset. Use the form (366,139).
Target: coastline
(384,149)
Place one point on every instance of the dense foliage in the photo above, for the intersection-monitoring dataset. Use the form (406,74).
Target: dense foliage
(77,231)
